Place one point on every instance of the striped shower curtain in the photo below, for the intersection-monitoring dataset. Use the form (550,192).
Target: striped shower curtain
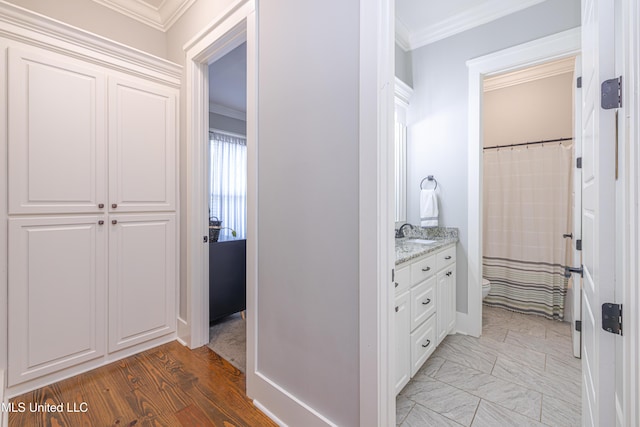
(527,208)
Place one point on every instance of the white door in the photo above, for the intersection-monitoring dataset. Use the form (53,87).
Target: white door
(142,146)
(598,203)
(402,343)
(142,278)
(56,294)
(56,134)
(576,280)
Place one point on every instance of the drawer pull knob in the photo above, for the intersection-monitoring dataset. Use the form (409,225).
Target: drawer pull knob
(396,309)
(101,205)
(427,344)
(396,284)
(426,302)
(447,257)
(100,222)
(114,222)
(426,269)
(114,205)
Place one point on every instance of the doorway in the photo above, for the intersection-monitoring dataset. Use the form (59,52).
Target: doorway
(227,205)
(529,192)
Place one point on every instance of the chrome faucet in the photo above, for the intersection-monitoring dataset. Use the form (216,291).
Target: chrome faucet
(400,232)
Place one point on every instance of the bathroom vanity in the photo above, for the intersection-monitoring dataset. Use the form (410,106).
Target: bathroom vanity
(425,301)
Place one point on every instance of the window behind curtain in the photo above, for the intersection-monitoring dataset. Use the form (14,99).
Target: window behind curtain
(228,183)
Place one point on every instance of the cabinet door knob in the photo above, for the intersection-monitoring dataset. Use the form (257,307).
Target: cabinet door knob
(396,309)
(426,269)
(447,257)
(396,283)
(114,221)
(101,222)
(426,302)
(114,205)
(427,344)
(101,205)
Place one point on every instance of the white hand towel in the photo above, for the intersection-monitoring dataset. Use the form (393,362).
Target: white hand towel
(428,208)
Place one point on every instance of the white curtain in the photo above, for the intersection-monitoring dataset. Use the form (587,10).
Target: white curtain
(527,208)
(228,183)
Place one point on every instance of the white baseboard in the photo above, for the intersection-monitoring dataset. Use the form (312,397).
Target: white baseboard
(278,403)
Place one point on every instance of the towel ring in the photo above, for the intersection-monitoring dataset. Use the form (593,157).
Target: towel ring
(429,178)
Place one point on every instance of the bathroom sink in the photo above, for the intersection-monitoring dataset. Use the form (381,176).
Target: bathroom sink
(423,241)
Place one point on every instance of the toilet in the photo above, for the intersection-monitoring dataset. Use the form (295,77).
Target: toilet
(486,287)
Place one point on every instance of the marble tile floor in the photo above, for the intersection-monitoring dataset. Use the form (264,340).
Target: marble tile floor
(521,372)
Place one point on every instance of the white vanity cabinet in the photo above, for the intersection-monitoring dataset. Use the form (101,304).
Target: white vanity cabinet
(91,188)
(425,309)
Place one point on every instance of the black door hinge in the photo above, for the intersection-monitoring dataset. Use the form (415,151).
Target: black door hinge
(612,318)
(205,239)
(579,82)
(393,274)
(579,162)
(579,325)
(579,245)
(611,93)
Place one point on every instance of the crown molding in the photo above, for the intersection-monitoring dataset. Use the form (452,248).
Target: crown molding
(530,74)
(470,18)
(228,112)
(403,92)
(25,26)
(161,18)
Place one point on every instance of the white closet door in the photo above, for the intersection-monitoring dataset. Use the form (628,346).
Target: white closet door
(142,278)
(57,270)
(56,134)
(142,146)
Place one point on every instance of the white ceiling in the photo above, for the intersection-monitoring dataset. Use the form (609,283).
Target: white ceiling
(420,22)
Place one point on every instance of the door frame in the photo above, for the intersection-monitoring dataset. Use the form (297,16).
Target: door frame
(233,27)
(556,46)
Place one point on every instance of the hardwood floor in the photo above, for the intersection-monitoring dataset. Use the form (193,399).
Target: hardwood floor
(169,385)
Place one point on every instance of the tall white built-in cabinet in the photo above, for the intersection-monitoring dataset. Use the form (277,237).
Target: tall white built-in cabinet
(91,214)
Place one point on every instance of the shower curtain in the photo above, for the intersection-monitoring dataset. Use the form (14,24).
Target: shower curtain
(527,206)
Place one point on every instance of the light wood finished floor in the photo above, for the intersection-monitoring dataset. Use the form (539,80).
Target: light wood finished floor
(521,372)
(169,385)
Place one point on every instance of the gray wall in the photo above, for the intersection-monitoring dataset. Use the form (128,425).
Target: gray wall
(403,65)
(437,119)
(229,124)
(308,204)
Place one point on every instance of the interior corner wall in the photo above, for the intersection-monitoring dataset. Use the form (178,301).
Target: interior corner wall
(98,19)
(533,111)
(438,113)
(403,65)
(308,206)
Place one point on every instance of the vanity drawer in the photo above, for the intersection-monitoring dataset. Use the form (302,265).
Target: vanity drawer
(422,269)
(423,301)
(423,342)
(402,279)
(446,257)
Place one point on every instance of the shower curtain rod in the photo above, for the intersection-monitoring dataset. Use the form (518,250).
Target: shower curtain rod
(529,143)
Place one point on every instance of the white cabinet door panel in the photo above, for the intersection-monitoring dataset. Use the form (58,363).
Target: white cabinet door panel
(56,134)
(402,343)
(142,278)
(446,298)
(56,294)
(142,146)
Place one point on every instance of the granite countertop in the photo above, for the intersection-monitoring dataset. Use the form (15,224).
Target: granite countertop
(407,248)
